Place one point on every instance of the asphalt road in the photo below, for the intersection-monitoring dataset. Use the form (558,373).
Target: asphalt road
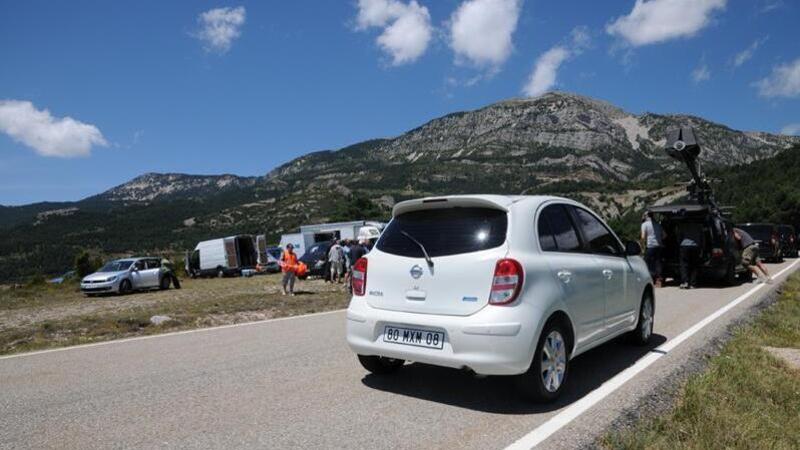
(294,383)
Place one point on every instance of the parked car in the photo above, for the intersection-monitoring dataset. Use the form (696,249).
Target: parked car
(720,257)
(767,237)
(788,239)
(498,285)
(122,276)
(316,259)
(62,278)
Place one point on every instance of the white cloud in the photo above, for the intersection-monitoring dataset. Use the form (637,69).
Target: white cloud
(545,71)
(745,55)
(481,30)
(701,73)
(407,29)
(543,77)
(653,21)
(793,129)
(784,81)
(219,27)
(47,135)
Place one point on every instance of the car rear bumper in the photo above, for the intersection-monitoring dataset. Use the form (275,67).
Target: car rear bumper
(492,341)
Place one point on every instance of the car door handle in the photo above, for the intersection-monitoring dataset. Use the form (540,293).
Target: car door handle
(564,275)
(608,273)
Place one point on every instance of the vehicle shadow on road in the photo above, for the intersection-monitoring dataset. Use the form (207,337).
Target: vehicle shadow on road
(498,394)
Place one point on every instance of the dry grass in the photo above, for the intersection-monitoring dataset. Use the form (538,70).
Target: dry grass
(746,399)
(43,316)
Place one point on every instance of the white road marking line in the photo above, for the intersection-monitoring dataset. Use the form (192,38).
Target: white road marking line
(174,333)
(567,415)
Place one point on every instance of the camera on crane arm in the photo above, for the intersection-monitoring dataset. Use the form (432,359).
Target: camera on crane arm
(683,145)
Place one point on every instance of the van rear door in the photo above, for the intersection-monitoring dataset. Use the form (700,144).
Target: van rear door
(464,245)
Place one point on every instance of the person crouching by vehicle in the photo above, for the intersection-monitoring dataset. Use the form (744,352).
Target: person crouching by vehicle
(690,237)
(652,240)
(750,259)
(168,270)
(288,265)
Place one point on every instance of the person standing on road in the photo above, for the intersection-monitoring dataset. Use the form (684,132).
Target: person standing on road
(288,264)
(357,251)
(750,259)
(652,240)
(690,237)
(336,259)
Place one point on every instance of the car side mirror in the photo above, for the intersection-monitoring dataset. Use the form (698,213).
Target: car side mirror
(632,248)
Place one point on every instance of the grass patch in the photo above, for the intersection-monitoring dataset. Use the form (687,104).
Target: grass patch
(36,317)
(746,399)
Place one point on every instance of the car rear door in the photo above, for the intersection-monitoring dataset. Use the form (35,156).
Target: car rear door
(613,264)
(464,244)
(576,272)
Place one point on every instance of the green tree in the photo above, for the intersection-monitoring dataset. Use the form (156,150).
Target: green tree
(86,264)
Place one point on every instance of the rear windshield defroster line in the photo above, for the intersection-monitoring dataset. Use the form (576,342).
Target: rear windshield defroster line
(445,231)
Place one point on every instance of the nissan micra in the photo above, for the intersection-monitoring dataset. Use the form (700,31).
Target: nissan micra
(500,285)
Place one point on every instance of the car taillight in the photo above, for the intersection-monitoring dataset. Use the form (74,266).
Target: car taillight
(716,253)
(360,277)
(507,282)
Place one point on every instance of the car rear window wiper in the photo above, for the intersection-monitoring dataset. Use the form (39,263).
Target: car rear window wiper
(419,244)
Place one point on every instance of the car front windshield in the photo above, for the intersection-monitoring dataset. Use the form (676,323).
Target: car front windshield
(116,266)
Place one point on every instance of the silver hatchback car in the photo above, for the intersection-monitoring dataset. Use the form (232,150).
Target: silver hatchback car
(123,276)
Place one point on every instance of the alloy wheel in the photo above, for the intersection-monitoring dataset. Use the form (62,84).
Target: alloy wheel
(647,319)
(554,361)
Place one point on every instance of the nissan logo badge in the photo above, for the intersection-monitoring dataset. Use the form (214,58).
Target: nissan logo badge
(416,272)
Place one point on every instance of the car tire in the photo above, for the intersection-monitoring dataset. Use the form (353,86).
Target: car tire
(730,274)
(163,284)
(746,276)
(545,379)
(644,325)
(380,365)
(125,287)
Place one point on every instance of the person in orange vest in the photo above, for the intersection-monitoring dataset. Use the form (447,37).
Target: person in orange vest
(289,267)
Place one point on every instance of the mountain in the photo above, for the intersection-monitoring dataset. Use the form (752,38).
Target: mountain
(558,143)
(168,186)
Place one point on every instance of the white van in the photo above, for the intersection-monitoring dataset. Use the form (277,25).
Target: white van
(222,257)
(499,285)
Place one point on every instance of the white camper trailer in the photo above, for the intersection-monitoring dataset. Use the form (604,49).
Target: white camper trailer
(222,257)
(311,234)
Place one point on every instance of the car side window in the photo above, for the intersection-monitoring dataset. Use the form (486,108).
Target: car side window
(546,239)
(560,227)
(599,238)
(139,265)
(153,264)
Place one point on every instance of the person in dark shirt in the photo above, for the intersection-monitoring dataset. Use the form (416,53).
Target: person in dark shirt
(357,251)
(690,239)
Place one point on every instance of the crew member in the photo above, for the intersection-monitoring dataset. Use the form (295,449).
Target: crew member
(690,237)
(652,240)
(288,264)
(750,259)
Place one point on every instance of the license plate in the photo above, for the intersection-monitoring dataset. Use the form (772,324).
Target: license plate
(412,336)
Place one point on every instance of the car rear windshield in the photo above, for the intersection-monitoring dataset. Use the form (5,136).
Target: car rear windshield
(759,232)
(446,231)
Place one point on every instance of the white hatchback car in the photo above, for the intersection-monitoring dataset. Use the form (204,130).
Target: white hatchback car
(500,285)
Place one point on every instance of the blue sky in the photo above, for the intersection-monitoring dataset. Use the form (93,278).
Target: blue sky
(95,93)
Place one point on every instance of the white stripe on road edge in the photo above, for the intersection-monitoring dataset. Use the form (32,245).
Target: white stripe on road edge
(174,333)
(555,423)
